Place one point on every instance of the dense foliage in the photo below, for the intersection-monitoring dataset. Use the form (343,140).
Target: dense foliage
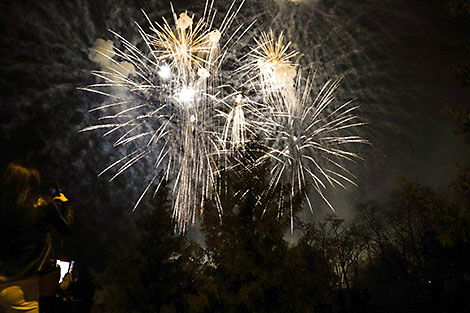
(409,255)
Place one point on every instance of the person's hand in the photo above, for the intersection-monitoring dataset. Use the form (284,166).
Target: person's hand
(61,198)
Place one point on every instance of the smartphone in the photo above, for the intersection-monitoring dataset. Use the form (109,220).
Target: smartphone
(65,267)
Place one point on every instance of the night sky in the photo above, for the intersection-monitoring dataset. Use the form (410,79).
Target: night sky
(396,57)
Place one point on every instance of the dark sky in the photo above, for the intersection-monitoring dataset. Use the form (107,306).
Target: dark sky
(396,57)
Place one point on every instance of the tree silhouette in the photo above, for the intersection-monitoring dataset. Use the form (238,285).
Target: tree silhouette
(158,270)
(418,248)
(250,266)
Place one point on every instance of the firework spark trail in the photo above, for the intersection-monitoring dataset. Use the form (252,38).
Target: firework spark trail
(174,109)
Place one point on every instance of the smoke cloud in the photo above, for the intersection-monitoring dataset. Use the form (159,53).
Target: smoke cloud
(102,53)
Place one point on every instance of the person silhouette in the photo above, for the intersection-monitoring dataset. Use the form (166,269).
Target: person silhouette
(26,219)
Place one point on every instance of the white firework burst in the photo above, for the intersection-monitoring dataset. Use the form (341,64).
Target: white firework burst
(169,109)
(305,144)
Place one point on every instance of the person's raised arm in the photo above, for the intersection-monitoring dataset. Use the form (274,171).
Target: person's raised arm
(61,214)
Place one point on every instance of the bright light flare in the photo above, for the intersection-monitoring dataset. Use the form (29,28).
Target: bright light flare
(186,95)
(164,72)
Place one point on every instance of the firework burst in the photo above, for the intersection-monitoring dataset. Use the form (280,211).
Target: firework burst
(168,104)
(305,144)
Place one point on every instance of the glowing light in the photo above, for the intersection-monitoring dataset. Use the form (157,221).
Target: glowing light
(65,267)
(184,21)
(203,73)
(186,94)
(165,72)
(214,36)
